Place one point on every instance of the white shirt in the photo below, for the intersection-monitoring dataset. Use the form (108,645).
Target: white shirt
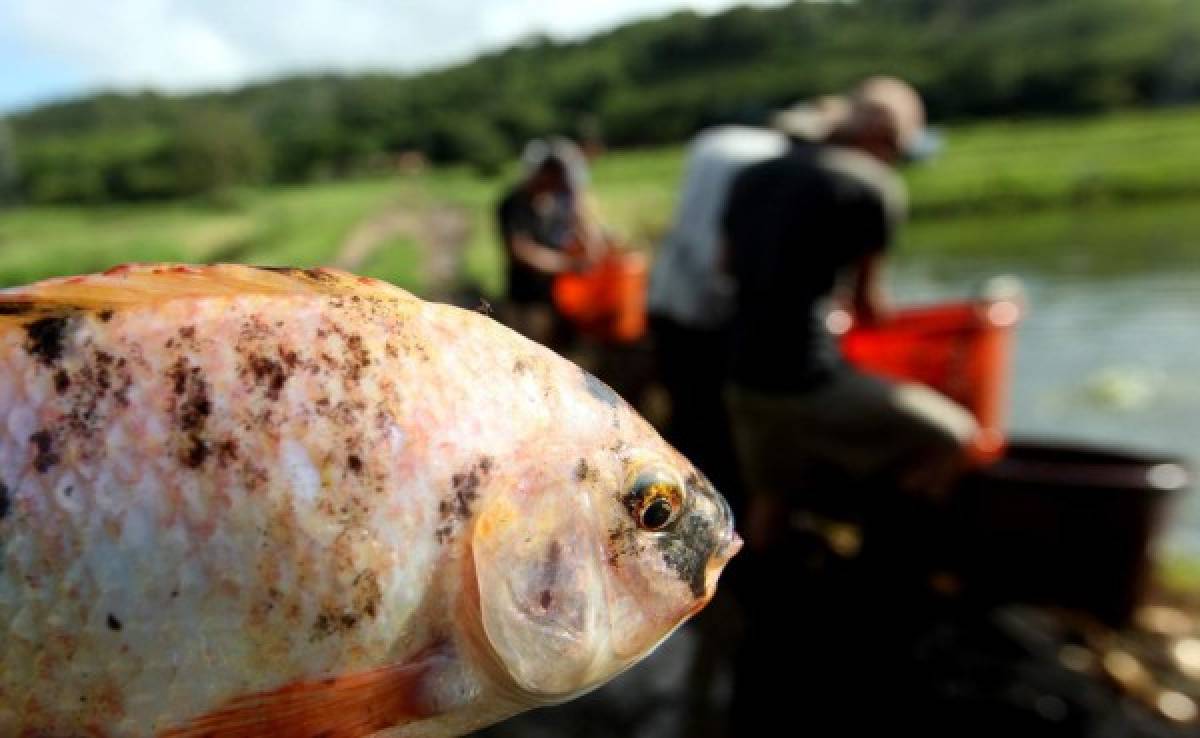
(686,284)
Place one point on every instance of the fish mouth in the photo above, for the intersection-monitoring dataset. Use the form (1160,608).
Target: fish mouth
(729,549)
(730,542)
(727,546)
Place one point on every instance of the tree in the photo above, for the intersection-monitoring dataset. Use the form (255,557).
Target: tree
(215,149)
(8,164)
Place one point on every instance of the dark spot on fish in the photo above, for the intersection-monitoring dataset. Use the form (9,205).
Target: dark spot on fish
(550,572)
(197,407)
(270,373)
(179,374)
(45,456)
(323,626)
(688,550)
(46,338)
(196,453)
(354,464)
(456,507)
(61,381)
(113,623)
(466,491)
(520,367)
(16,307)
(622,542)
(582,470)
(105,315)
(5,502)
(358,358)
(227,452)
(174,593)
(600,390)
(187,332)
(368,595)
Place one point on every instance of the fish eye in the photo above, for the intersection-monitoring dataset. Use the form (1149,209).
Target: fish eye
(655,501)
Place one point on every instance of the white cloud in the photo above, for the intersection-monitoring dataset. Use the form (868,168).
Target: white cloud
(185,44)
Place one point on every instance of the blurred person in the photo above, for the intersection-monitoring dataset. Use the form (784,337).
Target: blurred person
(691,297)
(800,228)
(691,302)
(546,230)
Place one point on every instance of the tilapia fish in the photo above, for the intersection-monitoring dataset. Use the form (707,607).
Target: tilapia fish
(250,502)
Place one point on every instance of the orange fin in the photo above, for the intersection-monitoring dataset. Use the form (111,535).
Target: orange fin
(136,284)
(349,706)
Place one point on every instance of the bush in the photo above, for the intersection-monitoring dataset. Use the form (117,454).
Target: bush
(216,149)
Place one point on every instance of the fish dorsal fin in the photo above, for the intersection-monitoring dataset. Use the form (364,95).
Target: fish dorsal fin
(138,284)
(347,706)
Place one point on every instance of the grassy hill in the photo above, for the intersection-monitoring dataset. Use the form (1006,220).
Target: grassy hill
(649,83)
(996,169)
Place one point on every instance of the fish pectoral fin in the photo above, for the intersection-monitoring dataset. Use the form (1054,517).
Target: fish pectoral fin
(541,593)
(347,706)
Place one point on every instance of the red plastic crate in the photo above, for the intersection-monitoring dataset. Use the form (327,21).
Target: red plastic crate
(963,350)
(608,301)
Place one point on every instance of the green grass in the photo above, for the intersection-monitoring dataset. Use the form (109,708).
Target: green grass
(293,225)
(1094,242)
(483,260)
(1022,165)
(1180,573)
(398,261)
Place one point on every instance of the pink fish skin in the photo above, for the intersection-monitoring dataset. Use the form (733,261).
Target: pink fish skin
(245,502)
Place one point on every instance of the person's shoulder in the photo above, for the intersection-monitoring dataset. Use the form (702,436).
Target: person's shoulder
(871,174)
(739,140)
(789,163)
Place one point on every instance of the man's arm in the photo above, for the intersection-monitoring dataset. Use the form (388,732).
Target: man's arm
(537,256)
(868,299)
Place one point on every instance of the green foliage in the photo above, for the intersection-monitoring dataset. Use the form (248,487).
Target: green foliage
(647,83)
(8,164)
(468,139)
(214,150)
(301,226)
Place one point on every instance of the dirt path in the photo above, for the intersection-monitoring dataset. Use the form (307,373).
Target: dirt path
(440,231)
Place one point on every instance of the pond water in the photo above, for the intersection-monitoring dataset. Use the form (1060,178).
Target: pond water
(1109,350)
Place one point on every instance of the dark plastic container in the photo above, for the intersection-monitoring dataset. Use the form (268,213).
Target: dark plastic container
(1066,524)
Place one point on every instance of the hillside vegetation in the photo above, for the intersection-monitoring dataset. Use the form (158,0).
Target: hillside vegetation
(648,83)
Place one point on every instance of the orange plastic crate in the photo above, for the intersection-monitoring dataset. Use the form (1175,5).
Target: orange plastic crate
(963,350)
(608,301)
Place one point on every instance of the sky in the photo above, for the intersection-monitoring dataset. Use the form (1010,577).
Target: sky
(51,49)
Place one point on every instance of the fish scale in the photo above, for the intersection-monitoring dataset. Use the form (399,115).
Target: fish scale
(237,499)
